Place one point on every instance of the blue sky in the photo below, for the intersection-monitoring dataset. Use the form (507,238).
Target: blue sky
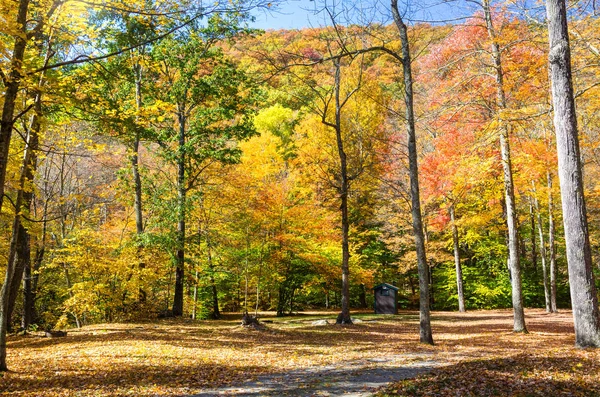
(294,14)
(297,14)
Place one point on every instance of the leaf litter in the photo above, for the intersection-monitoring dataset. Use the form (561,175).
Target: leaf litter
(476,354)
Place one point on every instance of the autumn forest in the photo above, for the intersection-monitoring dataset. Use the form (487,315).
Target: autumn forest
(167,160)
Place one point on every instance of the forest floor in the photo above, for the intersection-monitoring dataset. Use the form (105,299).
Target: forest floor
(475,354)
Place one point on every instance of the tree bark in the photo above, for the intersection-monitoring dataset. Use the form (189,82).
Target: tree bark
(181,203)
(459,276)
(579,257)
(509,192)
(534,253)
(5,291)
(216,314)
(425,334)
(551,247)
(19,255)
(542,250)
(344,316)
(28,168)
(11,89)
(137,180)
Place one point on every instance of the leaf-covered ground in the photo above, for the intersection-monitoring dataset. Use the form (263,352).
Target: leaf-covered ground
(479,353)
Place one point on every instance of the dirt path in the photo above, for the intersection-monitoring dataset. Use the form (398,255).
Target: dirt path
(351,379)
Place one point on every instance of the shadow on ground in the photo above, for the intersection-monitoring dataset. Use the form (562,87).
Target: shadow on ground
(354,379)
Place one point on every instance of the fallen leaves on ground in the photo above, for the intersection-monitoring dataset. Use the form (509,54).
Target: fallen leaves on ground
(178,357)
(492,361)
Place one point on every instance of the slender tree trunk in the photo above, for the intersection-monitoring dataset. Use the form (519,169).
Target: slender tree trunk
(509,193)
(195,294)
(137,180)
(181,204)
(459,276)
(28,297)
(5,291)
(22,259)
(344,316)
(216,314)
(19,244)
(28,168)
(260,263)
(540,226)
(534,255)
(246,269)
(425,334)
(551,247)
(579,257)
(12,84)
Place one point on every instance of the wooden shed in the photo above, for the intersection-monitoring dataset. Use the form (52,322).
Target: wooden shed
(386,299)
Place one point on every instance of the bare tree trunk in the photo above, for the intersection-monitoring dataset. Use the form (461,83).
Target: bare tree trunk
(181,204)
(551,247)
(137,180)
(12,82)
(509,191)
(19,240)
(28,168)
(246,269)
(195,296)
(542,250)
(22,259)
(344,316)
(579,257)
(4,293)
(459,277)
(425,334)
(534,255)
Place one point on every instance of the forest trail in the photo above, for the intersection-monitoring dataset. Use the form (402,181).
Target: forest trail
(360,378)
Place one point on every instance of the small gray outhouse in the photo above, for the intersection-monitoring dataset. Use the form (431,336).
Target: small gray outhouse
(386,299)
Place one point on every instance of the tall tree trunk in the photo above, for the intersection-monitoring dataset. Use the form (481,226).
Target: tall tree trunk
(19,250)
(5,291)
(28,292)
(551,246)
(22,260)
(246,268)
(509,191)
(181,204)
(425,334)
(579,257)
(137,180)
(28,168)
(12,82)
(542,250)
(459,276)
(344,316)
